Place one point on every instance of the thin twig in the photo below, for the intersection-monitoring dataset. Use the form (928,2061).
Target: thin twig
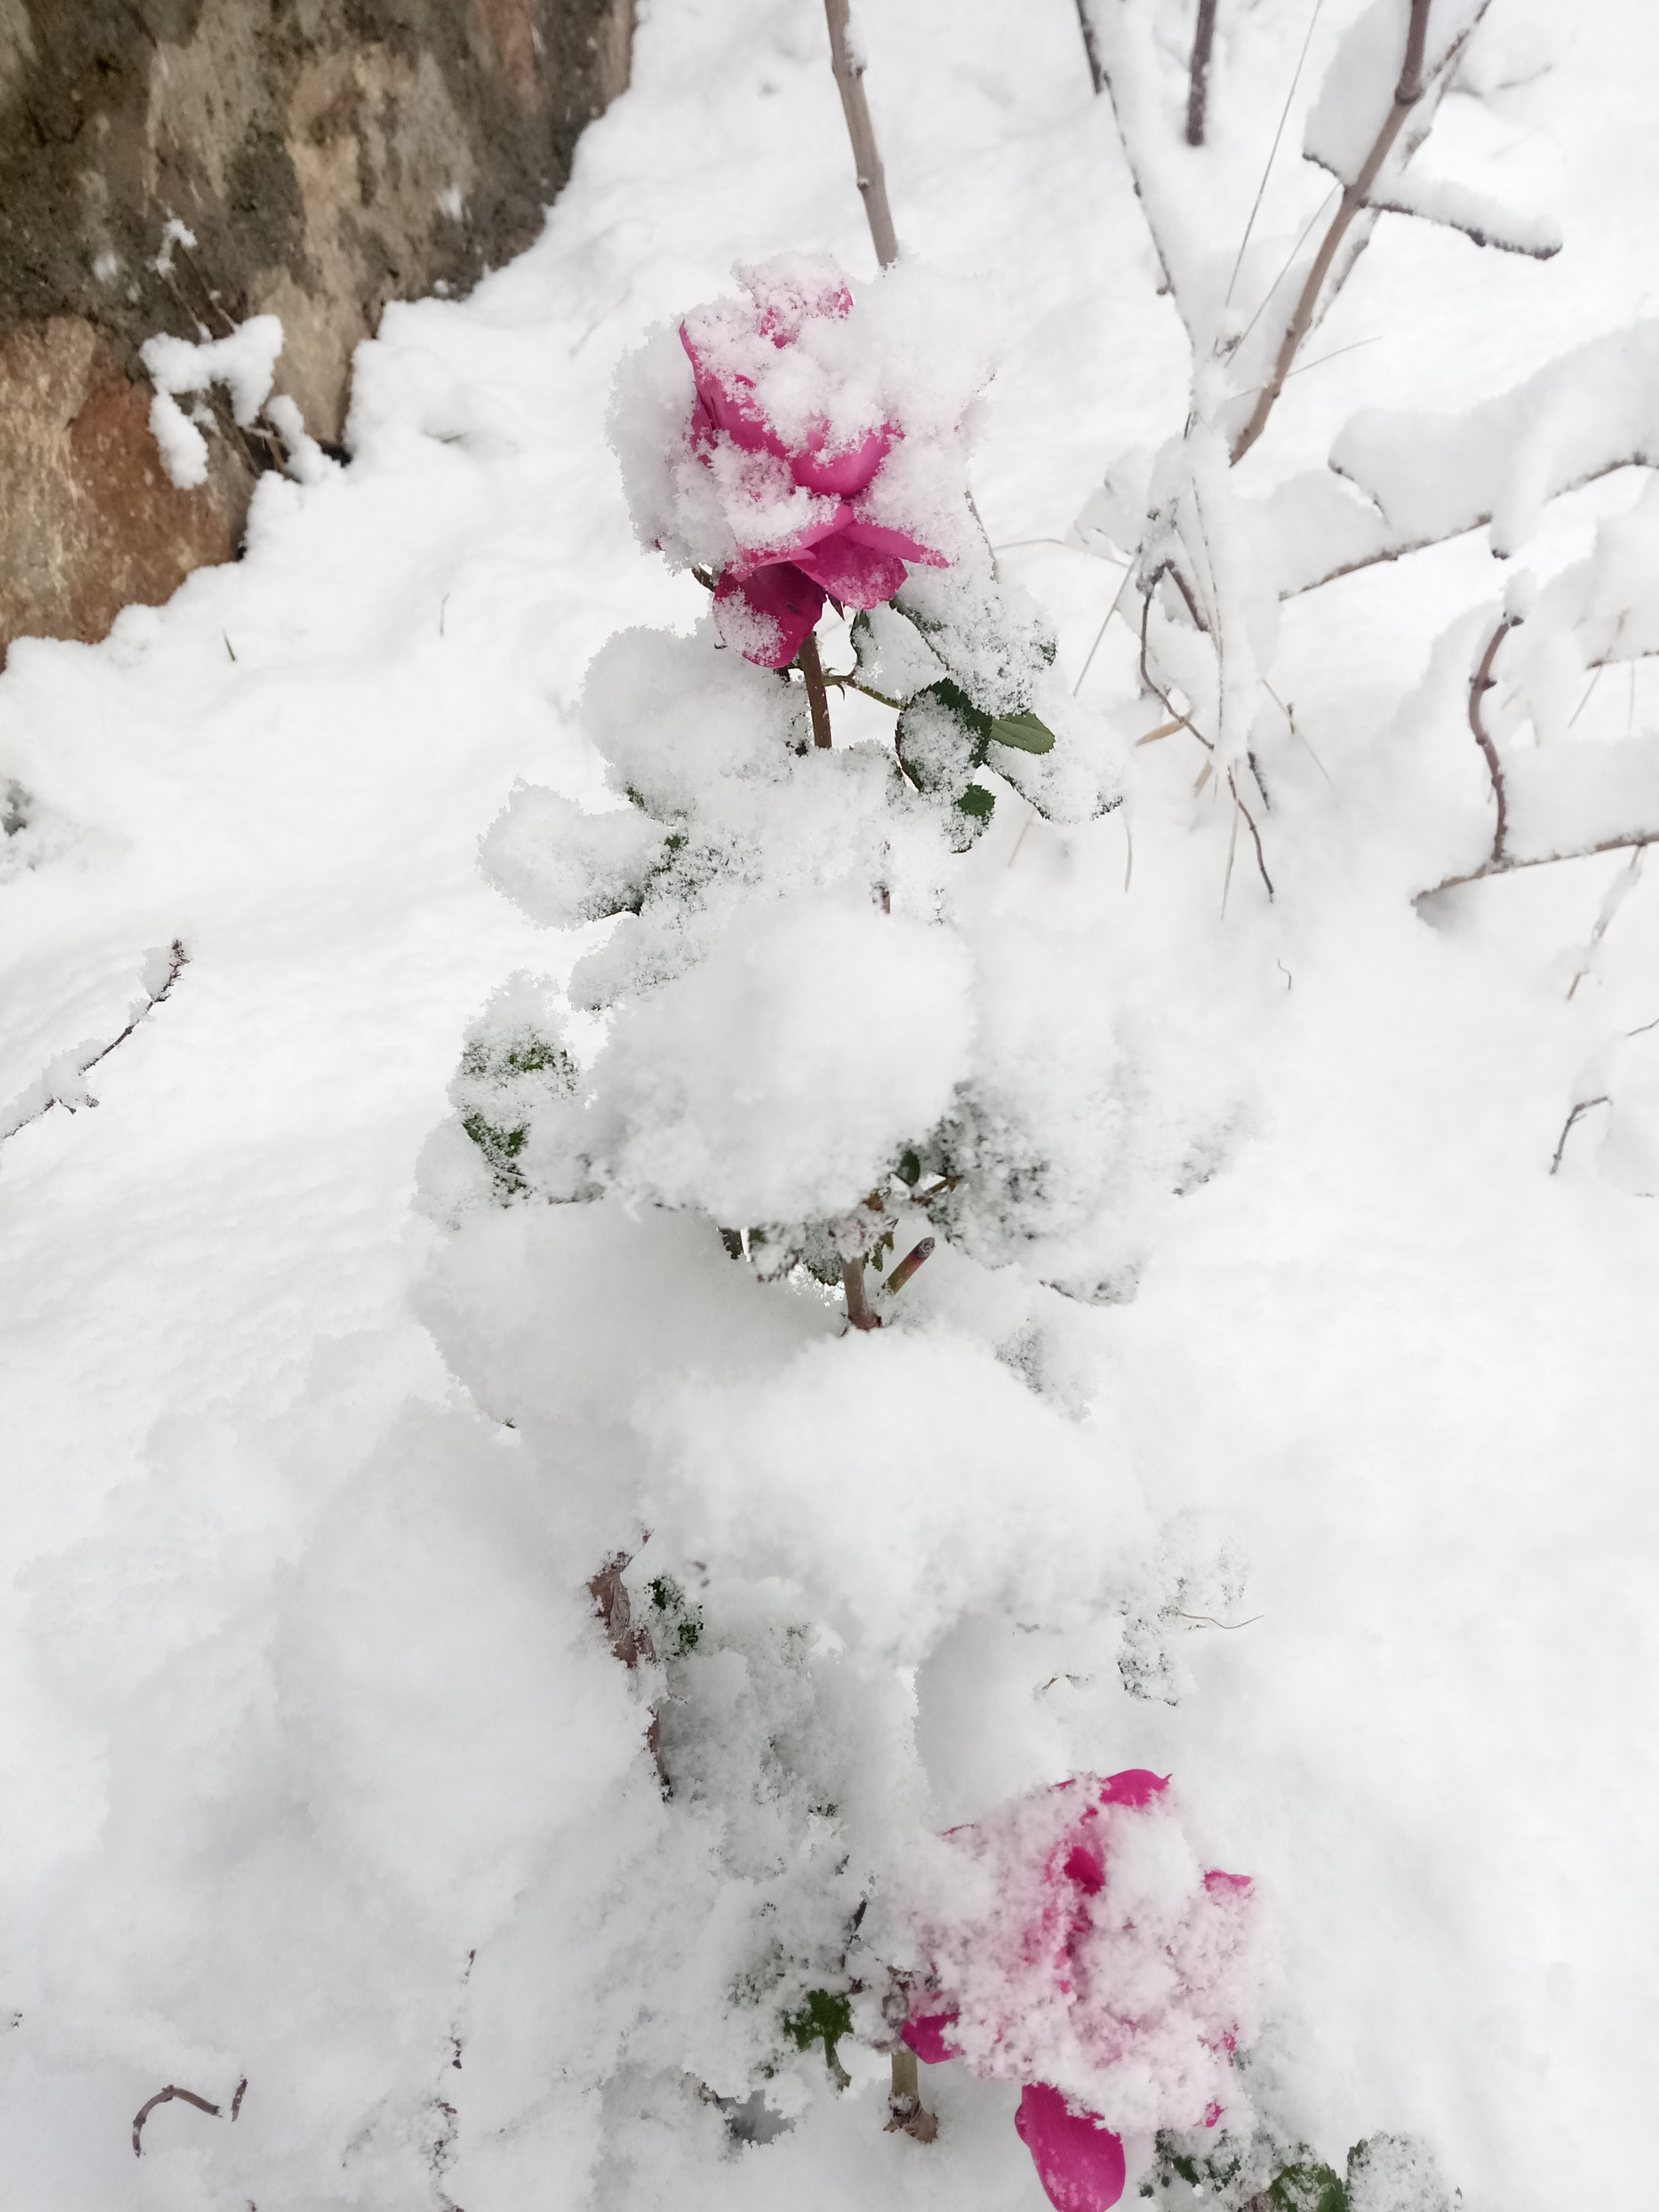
(1198,85)
(178,960)
(1283,118)
(1297,734)
(1582,1107)
(1117,602)
(873,182)
(1479,683)
(811,668)
(165,2097)
(1255,834)
(1406,94)
(1229,1625)
(1096,74)
(1622,844)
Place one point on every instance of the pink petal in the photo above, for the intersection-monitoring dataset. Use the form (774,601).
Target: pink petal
(778,607)
(730,408)
(1136,1785)
(1217,1883)
(1083,1868)
(843,473)
(884,540)
(1080,2161)
(852,574)
(925,2033)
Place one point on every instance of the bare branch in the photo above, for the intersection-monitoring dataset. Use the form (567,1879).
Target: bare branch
(178,960)
(873,182)
(1198,88)
(1255,834)
(1636,839)
(1568,1126)
(1479,683)
(1406,94)
(1535,250)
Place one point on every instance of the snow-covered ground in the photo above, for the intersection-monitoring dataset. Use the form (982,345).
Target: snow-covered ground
(318,1771)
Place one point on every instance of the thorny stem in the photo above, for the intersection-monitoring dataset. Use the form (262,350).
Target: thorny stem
(872,182)
(1406,94)
(1479,683)
(812,669)
(1199,87)
(859,1314)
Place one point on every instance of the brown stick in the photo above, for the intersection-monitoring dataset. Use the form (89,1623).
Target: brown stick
(1406,94)
(1479,683)
(1199,86)
(165,2097)
(859,1314)
(812,667)
(872,182)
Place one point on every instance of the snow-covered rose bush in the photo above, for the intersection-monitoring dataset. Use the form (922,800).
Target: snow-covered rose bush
(805,1025)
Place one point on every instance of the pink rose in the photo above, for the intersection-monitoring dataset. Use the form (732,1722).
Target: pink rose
(1108,1960)
(802,493)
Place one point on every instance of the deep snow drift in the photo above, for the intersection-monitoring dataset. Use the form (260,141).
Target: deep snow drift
(1292,1442)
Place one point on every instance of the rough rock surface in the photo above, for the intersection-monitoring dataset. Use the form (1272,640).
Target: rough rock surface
(326,157)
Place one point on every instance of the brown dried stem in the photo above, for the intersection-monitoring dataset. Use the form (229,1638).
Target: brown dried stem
(872,182)
(1406,94)
(1197,87)
(165,2097)
(811,668)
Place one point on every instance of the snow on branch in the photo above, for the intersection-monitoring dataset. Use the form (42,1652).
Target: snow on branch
(1414,480)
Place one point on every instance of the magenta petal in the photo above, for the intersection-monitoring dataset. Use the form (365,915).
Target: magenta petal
(731,408)
(925,2033)
(881,539)
(775,609)
(1136,1785)
(852,574)
(1080,2161)
(1218,1883)
(844,473)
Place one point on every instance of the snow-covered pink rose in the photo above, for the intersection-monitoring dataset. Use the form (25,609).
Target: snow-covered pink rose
(1093,1959)
(816,453)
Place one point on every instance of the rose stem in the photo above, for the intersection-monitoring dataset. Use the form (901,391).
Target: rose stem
(812,669)
(858,1306)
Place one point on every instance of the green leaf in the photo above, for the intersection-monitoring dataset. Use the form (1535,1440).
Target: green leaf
(1309,2187)
(1025,733)
(953,697)
(909,1170)
(978,802)
(824,2018)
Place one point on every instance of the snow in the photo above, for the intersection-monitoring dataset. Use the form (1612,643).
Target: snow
(1278,1377)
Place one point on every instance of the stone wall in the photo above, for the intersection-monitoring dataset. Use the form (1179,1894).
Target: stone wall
(326,157)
